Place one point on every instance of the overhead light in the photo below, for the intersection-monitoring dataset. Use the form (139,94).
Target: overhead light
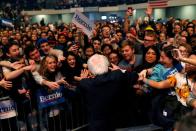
(103,17)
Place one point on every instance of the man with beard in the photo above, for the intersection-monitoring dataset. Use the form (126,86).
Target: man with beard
(130,60)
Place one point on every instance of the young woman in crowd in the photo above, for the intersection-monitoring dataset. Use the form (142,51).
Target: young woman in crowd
(151,58)
(144,95)
(185,51)
(71,69)
(49,69)
(52,114)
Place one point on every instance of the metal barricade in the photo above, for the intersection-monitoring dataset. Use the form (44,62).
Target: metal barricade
(68,116)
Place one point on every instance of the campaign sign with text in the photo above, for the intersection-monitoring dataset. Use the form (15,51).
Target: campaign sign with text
(7,109)
(47,98)
(7,23)
(81,21)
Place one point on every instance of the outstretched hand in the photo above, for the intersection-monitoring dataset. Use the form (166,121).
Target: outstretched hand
(30,68)
(114,67)
(141,77)
(84,74)
(62,81)
(16,65)
(142,74)
(61,58)
(52,85)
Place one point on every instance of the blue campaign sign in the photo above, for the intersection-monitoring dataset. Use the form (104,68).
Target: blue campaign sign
(47,98)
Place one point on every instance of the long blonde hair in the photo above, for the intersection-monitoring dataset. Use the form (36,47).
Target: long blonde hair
(43,66)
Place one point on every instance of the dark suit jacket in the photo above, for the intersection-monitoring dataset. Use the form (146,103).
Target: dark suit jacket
(110,100)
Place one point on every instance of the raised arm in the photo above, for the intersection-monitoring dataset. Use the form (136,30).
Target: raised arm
(15,65)
(57,53)
(188,60)
(41,81)
(9,75)
(178,56)
(148,12)
(127,21)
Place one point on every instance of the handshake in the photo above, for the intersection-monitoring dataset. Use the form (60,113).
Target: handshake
(142,84)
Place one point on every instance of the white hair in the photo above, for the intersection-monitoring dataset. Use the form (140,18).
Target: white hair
(98,64)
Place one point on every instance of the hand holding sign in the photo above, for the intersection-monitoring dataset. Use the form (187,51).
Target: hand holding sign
(82,22)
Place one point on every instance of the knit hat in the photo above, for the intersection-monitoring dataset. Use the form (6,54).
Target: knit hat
(41,41)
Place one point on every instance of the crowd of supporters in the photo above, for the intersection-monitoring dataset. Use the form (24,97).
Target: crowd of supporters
(50,56)
(63,4)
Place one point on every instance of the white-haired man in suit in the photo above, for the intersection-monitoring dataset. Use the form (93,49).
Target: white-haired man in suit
(109,95)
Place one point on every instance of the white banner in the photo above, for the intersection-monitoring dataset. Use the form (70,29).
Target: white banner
(81,21)
(7,109)
(7,23)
